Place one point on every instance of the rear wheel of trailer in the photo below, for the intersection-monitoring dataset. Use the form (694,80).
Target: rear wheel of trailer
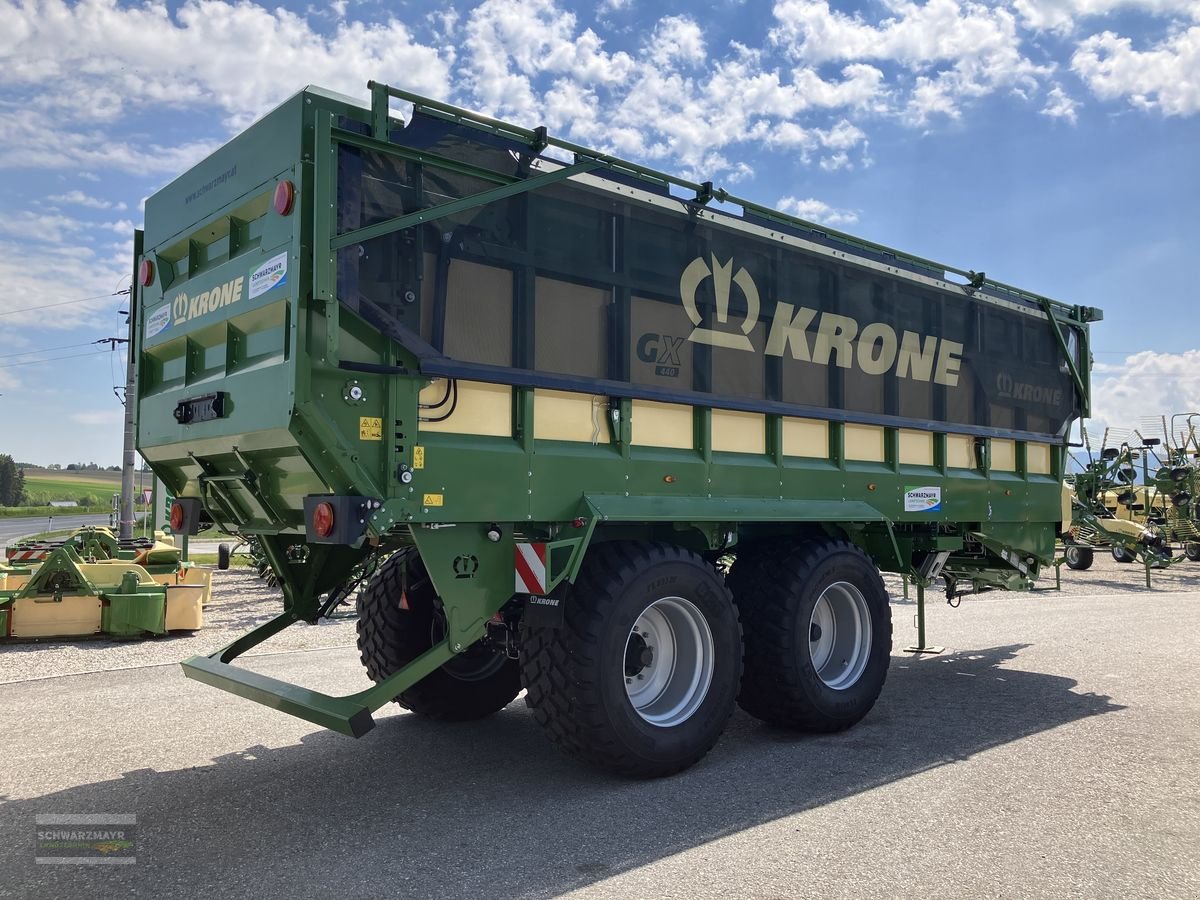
(643,674)
(817,631)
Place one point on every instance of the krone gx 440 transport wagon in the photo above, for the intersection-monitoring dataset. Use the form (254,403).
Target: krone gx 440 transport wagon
(625,441)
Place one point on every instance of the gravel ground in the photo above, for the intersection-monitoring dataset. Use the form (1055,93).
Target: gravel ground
(242,601)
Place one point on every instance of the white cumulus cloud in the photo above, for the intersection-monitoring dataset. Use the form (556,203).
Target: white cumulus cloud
(1146,386)
(1163,77)
(818,211)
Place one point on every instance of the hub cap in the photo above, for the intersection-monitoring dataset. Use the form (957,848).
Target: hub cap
(839,636)
(668,662)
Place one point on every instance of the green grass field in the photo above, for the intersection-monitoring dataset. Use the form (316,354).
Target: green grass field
(94,488)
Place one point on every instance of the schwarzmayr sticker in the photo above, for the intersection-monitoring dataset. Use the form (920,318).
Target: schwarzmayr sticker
(158,320)
(923,499)
(270,274)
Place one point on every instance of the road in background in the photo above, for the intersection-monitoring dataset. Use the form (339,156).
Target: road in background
(14,529)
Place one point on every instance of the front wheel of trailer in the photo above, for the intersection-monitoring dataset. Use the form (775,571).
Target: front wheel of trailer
(642,675)
(399,618)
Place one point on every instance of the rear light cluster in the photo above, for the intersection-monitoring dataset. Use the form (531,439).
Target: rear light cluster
(323,519)
(178,517)
(285,197)
(146,272)
(337,518)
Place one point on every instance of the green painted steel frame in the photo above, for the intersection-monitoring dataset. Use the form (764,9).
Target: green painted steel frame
(536,486)
(349,715)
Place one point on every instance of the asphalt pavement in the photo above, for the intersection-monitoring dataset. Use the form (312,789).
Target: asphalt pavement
(1053,750)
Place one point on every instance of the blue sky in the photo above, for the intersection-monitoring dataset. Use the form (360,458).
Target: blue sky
(1051,143)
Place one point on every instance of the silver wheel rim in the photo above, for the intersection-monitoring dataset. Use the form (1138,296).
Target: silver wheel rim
(1072,554)
(668,662)
(839,635)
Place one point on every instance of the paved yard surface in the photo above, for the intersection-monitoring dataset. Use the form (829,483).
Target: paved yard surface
(1053,750)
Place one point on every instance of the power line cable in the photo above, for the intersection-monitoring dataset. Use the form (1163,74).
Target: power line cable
(34,362)
(46,350)
(24,309)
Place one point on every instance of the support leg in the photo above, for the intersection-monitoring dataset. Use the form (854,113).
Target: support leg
(920,646)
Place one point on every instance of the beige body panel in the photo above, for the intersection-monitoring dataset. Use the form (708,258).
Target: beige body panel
(38,617)
(739,432)
(806,437)
(1004,455)
(960,451)
(185,607)
(916,447)
(663,425)
(865,443)
(566,416)
(482,409)
(1037,459)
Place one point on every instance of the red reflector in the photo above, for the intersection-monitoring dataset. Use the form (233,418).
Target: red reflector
(323,519)
(177,516)
(285,196)
(146,273)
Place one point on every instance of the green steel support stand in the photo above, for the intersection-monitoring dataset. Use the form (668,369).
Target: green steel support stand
(904,584)
(920,646)
(350,715)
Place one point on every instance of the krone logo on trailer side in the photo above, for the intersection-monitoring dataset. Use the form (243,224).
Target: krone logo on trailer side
(813,336)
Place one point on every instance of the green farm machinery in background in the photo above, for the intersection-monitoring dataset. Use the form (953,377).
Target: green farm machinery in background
(90,583)
(555,393)
(1137,499)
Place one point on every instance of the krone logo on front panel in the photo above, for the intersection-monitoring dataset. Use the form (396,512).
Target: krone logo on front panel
(736,338)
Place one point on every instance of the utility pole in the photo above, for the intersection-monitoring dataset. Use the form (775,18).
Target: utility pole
(126,516)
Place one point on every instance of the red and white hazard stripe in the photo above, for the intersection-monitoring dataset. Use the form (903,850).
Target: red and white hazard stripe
(531,568)
(27,555)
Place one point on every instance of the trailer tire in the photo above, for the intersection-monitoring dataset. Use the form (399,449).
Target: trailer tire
(1192,551)
(818,635)
(223,555)
(1121,555)
(1079,558)
(476,683)
(642,676)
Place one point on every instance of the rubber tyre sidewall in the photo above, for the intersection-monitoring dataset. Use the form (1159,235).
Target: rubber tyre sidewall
(406,635)
(674,746)
(1192,551)
(1084,557)
(1118,553)
(223,556)
(854,702)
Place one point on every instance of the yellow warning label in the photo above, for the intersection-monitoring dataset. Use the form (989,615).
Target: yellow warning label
(418,457)
(370,429)
(432,500)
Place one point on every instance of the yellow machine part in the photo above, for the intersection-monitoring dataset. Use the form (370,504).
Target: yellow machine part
(1146,497)
(70,616)
(185,606)
(1123,527)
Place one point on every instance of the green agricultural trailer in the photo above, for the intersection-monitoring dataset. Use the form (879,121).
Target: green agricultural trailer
(625,441)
